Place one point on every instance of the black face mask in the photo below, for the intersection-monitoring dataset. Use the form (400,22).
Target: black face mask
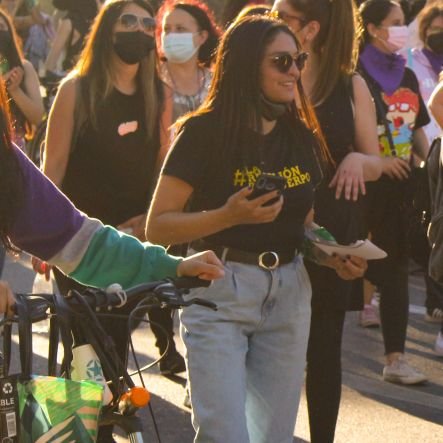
(435,42)
(272,110)
(5,42)
(131,47)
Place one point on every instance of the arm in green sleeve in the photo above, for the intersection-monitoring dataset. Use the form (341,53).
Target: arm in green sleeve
(113,257)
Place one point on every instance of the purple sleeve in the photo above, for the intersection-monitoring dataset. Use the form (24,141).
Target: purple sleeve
(47,220)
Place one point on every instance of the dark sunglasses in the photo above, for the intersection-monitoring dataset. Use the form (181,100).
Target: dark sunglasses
(283,62)
(288,17)
(130,21)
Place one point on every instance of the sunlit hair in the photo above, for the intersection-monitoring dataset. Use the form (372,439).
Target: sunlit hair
(426,17)
(15,54)
(253,10)
(336,42)
(204,17)
(11,179)
(374,11)
(95,68)
(235,92)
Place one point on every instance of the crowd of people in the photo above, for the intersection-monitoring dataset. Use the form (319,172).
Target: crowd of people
(163,123)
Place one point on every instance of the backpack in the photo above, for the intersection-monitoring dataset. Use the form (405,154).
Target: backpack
(435,230)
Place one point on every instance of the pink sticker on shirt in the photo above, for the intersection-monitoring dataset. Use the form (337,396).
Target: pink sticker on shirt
(127,128)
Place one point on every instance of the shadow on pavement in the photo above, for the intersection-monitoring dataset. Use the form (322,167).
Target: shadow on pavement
(425,413)
(173,423)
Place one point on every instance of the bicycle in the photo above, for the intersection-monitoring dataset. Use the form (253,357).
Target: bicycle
(82,311)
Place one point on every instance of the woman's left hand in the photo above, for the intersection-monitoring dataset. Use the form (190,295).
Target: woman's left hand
(349,177)
(350,267)
(13,79)
(204,265)
(135,226)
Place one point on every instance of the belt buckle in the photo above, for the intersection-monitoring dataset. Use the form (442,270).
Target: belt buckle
(271,267)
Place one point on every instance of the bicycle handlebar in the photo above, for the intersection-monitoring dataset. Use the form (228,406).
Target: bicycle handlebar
(168,292)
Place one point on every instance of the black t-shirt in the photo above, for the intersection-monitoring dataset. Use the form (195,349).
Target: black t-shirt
(195,158)
(111,169)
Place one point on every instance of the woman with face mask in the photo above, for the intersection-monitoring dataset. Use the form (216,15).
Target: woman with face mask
(21,83)
(187,37)
(401,116)
(104,134)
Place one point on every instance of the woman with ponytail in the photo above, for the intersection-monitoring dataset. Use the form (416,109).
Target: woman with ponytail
(327,31)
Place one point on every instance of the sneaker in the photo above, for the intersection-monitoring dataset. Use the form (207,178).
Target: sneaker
(401,372)
(434,315)
(438,348)
(172,363)
(368,318)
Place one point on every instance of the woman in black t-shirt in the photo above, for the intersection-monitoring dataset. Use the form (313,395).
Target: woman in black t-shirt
(246,361)
(401,116)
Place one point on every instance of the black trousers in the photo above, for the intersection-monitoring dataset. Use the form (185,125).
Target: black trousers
(323,376)
(390,275)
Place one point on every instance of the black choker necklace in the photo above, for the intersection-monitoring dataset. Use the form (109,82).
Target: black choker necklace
(272,110)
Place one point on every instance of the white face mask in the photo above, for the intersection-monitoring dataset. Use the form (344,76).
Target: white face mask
(179,47)
(397,37)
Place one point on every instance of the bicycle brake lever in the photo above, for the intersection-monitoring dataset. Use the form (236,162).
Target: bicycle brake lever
(201,302)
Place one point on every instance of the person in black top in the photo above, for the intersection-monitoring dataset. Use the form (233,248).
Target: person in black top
(246,361)
(71,33)
(401,116)
(346,116)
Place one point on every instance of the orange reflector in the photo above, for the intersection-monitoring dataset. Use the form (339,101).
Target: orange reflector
(139,397)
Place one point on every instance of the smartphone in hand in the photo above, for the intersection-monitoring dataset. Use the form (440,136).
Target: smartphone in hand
(266,183)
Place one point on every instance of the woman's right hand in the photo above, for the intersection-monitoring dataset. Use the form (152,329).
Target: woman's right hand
(396,168)
(41,267)
(239,210)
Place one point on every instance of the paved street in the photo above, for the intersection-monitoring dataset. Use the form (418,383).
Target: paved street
(372,411)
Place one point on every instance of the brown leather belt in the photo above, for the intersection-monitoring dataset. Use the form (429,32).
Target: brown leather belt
(267,260)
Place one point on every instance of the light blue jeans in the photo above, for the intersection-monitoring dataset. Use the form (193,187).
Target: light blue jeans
(246,361)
